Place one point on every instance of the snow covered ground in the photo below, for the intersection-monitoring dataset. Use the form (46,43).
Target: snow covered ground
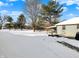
(73,42)
(17,46)
(27,32)
(42,33)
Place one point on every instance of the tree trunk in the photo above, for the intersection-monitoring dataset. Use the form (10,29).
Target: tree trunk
(33,26)
(33,29)
(50,20)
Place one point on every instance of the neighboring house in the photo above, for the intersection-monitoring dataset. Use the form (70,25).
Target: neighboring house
(3,25)
(69,27)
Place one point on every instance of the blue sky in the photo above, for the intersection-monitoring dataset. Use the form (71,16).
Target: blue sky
(71,8)
(12,7)
(16,7)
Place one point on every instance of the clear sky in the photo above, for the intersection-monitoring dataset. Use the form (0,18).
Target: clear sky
(16,7)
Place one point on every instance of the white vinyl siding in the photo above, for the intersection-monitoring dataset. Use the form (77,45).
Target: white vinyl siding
(59,30)
(71,30)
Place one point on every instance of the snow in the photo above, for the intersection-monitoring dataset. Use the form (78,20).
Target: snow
(42,33)
(59,49)
(70,41)
(73,42)
(29,33)
(29,44)
(34,47)
(74,20)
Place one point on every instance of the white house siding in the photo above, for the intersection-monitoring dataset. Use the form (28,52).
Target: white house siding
(71,30)
(59,30)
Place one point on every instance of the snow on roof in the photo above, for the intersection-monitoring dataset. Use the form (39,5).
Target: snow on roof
(70,21)
(51,27)
(6,22)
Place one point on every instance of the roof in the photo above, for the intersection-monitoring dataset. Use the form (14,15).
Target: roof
(51,27)
(6,22)
(70,21)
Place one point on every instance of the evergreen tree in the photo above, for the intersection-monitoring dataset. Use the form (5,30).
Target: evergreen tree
(52,10)
(21,21)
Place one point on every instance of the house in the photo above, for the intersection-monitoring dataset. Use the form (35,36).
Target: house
(4,23)
(68,28)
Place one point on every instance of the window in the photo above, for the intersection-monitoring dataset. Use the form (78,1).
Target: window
(63,27)
(78,26)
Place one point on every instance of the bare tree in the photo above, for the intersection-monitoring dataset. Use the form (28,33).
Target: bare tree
(32,7)
(4,20)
